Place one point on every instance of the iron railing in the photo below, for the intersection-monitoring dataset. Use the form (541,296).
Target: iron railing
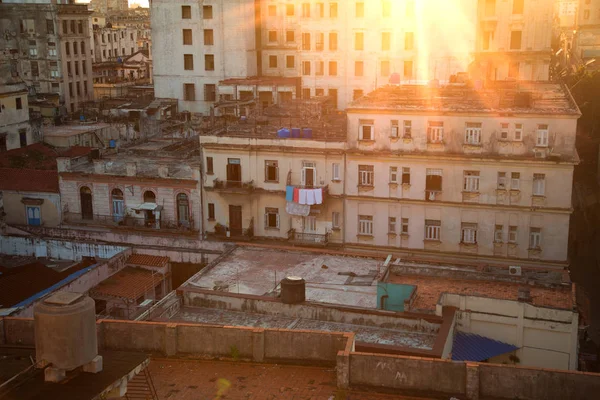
(127,221)
(308,238)
(219,184)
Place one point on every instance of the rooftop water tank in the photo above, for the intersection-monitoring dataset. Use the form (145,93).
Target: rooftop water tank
(293,290)
(283,133)
(307,133)
(65,330)
(295,132)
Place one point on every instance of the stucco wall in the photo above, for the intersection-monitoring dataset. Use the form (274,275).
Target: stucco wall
(16,212)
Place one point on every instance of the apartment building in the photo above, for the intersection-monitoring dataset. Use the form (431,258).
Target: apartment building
(586,40)
(49,44)
(112,43)
(105,6)
(346,48)
(199,44)
(15,129)
(457,169)
(514,39)
(252,168)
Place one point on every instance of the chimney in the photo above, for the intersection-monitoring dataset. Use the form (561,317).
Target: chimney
(131,168)
(99,167)
(65,335)
(163,170)
(63,164)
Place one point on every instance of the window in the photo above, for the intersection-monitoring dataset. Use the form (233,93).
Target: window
(360,10)
(405,175)
(78,87)
(189,92)
(187,36)
(366,129)
(333,41)
(209,38)
(290,61)
(404,226)
(210,92)
(542,136)
(72,23)
(68,48)
(188,62)
(211,211)
(272,36)
(320,10)
(512,234)
(306,41)
(306,10)
(35,71)
(272,61)
(471,181)
(432,229)
(433,180)
(319,68)
(65,29)
(305,67)
(207,12)
(357,94)
(408,69)
(333,10)
(290,36)
(468,233)
(518,6)
(271,171)
(358,68)
(272,11)
(50,27)
(504,131)
(332,68)
(539,184)
(407,132)
(501,180)
(365,175)
(335,220)
(392,225)
(473,133)
(518,132)
(365,225)
(71,92)
(82,44)
(289,10)
(320,41)
(306,93)
(209,62)
(183,209)
(435,132)
(79,26)
(335,172)
(535,238)
(319,92)
(271,218)
(515,40)
(409,40)
(209,165)
(393,174)
(359,41)
(385,68)
(76,65)
(515,181)
(394,129)
(19,103)
(23,137)
(186,12)
(33,215)
(310,224)
(498,233)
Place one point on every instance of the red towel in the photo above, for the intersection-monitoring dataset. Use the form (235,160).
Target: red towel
(296,195)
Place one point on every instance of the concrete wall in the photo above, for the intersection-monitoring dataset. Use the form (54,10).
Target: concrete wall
(61,250)
(546,337)
(16,211)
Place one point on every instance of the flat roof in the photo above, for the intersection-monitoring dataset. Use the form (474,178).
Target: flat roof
(492,97)
(73,129)
(262,80)
(258,271)
(365,334)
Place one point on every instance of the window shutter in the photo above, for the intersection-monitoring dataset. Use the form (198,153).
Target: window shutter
(277,220)
(266,220)
(303,178)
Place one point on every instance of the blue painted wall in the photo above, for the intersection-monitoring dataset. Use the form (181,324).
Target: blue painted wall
(396,293)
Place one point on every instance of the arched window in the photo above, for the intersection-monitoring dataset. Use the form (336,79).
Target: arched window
(87,208)
(183,208)
(149,197)
(118,204)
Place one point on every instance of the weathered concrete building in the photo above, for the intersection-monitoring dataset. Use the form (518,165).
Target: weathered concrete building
(456,169)
(49,44)
(15,129)
(345,49)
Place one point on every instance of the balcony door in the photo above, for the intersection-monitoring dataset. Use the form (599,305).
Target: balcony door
(234,172)
(235,220)
(309,173)
(87,209)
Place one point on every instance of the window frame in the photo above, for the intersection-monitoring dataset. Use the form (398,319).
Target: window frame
(366,175)
(535,238)
(468,233)
(335,172)
(471,181)
(433,230)
(269,212)
(473,133)
(365,225)
(539,185)
(542,135)
(392,222)
(435,131)
(271,164)
(393,175)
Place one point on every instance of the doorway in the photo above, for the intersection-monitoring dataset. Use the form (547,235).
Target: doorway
(234,172)
(308,175)
(118,205)
(235,220)
(87,208)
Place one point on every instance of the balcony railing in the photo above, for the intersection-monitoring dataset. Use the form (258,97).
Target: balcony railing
(233,186)
(308,239)
(224,233)
(120,221)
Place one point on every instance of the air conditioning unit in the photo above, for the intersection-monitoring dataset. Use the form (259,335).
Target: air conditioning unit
(540,153)
(514,271)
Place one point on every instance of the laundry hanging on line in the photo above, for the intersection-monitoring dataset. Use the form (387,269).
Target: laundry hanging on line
(310,196)
(302,210)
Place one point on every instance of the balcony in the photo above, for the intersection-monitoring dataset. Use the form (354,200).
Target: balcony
(130,222)
(308,239)
(224,233)
(235,187)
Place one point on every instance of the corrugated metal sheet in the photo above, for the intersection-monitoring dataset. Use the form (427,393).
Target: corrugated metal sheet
(472,347)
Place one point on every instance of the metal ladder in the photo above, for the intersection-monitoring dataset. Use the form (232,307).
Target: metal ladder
(141,387)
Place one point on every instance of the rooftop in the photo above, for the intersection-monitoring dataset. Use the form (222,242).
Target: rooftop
(29,180)
(73,129)
(501,96)
(261,80)
(329,279)
(38,156)
(144,259)
(129,283)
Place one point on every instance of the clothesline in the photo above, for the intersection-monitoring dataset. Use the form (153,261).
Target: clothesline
(304,196)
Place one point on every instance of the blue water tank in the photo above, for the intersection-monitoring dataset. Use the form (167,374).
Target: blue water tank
(283,133)
(307,133)
(112,143)
(296,132)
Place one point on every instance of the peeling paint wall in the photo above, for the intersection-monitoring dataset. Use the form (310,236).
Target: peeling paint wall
(61,250)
